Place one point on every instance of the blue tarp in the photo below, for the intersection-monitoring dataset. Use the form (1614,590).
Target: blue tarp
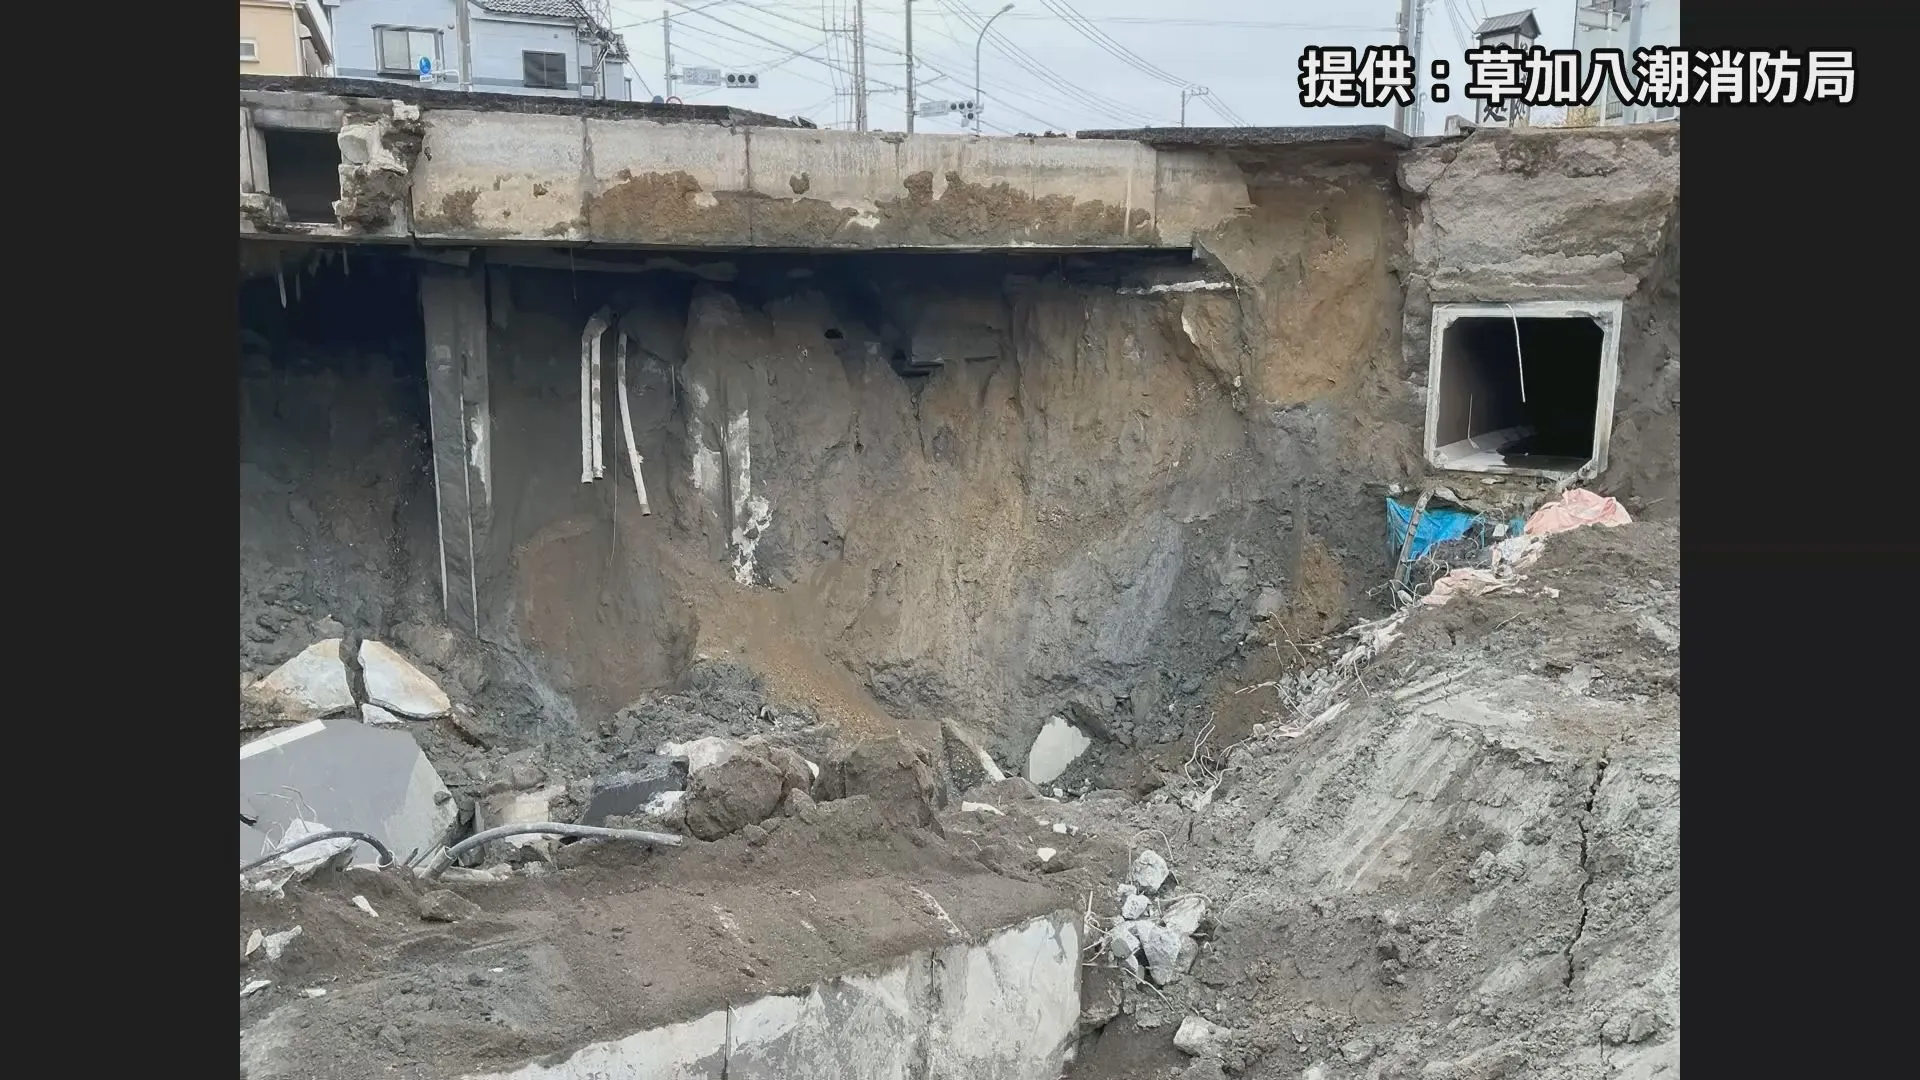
(1438,525)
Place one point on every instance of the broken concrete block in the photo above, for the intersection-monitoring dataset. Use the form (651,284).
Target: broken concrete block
(1135,907)
(1124,948)
(518,808)
(1200,1038)
(1189,953)
(1185,915)
(1150,872)
(275,945)
(379,717)
(364,144)
(399,687)
(625,794)
(1057,746)
(701,754)
(344,775)
(310,686)
(1162,949)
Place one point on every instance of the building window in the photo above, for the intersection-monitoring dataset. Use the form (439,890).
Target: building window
(249,51)
(1667,112)
(399,49)
(545,70)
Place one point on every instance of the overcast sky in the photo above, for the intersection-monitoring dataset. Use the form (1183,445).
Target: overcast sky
(1246,54)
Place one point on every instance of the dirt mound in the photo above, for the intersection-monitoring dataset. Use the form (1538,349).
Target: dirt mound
(616,938)
(1471,871)
(895,774)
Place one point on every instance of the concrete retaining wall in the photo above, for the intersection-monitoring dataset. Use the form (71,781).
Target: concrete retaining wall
(1004,1009)
(493,176)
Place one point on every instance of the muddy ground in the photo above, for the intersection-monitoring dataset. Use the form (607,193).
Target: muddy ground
(1472,871)
(612,939)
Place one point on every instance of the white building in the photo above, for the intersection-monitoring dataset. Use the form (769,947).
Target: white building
(545,48)
(1626,25)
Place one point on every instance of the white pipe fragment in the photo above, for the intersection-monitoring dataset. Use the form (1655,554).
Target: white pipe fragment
(589,394)
(599,439)
(626,423)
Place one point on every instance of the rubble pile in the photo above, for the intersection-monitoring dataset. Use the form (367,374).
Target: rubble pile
(1291,903)
(1156,936)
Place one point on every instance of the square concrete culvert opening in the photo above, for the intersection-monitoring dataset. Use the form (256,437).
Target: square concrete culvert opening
(1524,388)
(304,167)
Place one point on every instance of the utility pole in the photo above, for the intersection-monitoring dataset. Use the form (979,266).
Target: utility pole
(666,48)
(982,40)
(464,29)
(910,95)
(1405,26)
(859,65)
(1416,117)
(1630,113)
(1186,94)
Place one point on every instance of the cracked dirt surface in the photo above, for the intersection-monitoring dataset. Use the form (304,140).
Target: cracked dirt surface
(1472,872)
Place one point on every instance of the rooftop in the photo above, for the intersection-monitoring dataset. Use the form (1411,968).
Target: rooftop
(1522,21)
(1235,138)
(552,9)
(433,97)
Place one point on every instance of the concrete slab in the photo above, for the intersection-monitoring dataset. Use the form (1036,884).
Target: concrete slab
(310,686)
(495,175)
(344,775)
(857,1026)
(695,1050)
(1004,1009)
(398,687)
(1009,1007)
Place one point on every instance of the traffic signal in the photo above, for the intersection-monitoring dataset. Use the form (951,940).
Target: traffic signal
(742,81)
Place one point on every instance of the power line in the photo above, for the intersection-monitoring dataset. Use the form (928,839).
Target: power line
(1006,47)
(932,62)
(787,52)
(920,56)
(1132,59)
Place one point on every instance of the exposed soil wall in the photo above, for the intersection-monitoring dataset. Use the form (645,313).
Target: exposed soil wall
(1093,523)
(1085,522)
(337,526)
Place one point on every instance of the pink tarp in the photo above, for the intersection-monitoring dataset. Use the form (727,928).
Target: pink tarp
(1510,556)
(1574,509)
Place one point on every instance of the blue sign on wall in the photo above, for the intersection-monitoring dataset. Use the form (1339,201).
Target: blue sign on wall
(426,67)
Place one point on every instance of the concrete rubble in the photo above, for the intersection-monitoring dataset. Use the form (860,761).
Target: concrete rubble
(1150,938)
(398,687)
(1200,1038)
(310,686)
(341,774)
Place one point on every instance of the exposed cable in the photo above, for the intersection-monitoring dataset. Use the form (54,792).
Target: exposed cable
(386,857)
(1518,360)
(446,857)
